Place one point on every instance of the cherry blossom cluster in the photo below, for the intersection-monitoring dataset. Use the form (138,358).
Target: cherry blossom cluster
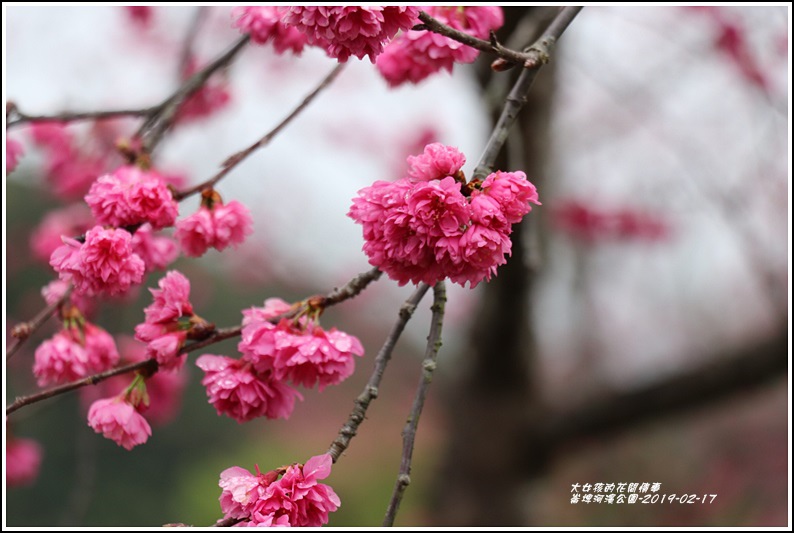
(415,55)
(432,225)
(295,350)
(169,321)
(264,24)
(288,496)
(214,225)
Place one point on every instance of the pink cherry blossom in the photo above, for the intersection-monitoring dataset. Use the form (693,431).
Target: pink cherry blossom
(345,31)
(297,499)
(427,226)
(14,151)
(415,55)
(235,389)
(119,421)
(140,15)
(130,196)
(167,321)
(436,162)
(23,458)
(265,24)
(104,263)
(157,251)
(273,308)
(171,300)
(69,221)
(73,353)
(217,227)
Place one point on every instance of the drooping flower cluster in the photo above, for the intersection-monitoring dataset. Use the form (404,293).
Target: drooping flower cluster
(214,225)
(344,31)
(104,263)
(430,226)
(129,196)
(118,419)
(13,153)
(169,321)
(414,55)
(295,499)
(77,351)
(290,350)
(265,24)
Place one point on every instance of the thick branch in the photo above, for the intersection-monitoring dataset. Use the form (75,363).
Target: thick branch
(518,95)
(24,330)
(190,37)
(409,432)
(752,367)
(370,392)
(235,159)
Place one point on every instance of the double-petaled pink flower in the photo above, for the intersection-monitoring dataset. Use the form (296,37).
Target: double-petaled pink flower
(129,196)
(344,31)
(77,351)
(169,319)
(23,458)
(214,225)
(296,498)
(117,419)
(265,24)
(433,225)
(104,263)
(415,55)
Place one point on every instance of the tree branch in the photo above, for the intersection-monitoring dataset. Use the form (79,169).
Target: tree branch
(15,117)
(24,330)
(237,158)
(153,129)
(409,432)
(190,37)
(149,364)
(518,95)
(351,289)
(370,392)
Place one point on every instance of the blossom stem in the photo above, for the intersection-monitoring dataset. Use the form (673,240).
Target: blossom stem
(24,330)
(409,431)
(21,401)
(540,51)
(370,392)
(237,158)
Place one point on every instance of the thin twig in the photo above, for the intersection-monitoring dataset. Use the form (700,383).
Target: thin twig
(431,24)
(24,330)
(409,431)
(337,295)
(237,158)
(518,95)
(370,392)
(190,37)
(149,364)
(155,126)
(15,117)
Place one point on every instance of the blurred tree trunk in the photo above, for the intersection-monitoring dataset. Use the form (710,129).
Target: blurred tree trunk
(484,470)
